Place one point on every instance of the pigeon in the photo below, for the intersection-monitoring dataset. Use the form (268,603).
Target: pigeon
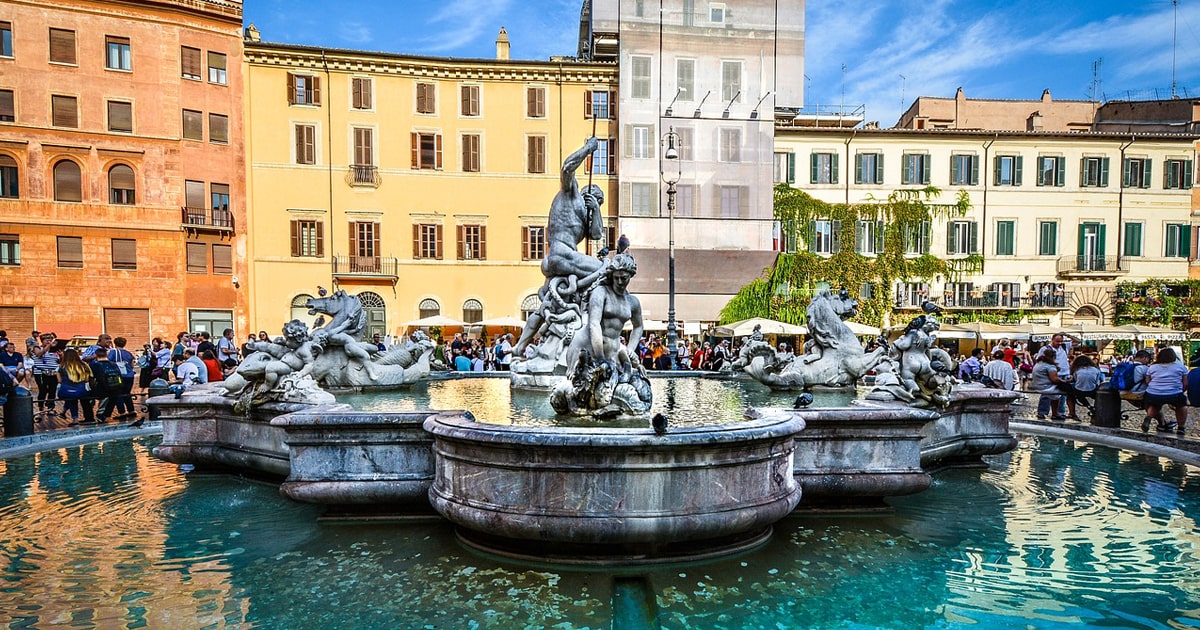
(917,323)
(622,244)
(322,291)
(938,366)
(659,422)
(803,400)
(930,307)
(319,323)
(603,253)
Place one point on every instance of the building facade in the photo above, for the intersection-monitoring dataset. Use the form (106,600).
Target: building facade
(1058,217)
(122,205)
(420,184)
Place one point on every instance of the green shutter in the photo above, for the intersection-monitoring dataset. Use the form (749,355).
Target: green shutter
(791,173)
(879,228)
(925,164)
(1041,171)
(1133,239)
(812,162)
(1060,167)
(1103,172)
(953,169)
(858,168)
(1127,173)
(1100,249)
(950,238)
(833,160)
(974,170)
(836,232)
(879,168)
(1147,167)
(1187,173)
(811,237)
(1081,251)
(996,170)
(906,176)
(1185,241)
(1017,162)
(1083,172)
(973,238)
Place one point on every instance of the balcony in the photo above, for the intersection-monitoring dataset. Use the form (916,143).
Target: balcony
(210,220)
(981,299)
(366,267)
(1092,266)
(363,175)
(1047,302)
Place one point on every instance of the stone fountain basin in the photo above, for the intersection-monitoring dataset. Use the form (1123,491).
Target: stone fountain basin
(582,493)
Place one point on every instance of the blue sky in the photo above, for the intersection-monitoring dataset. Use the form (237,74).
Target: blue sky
(893,50)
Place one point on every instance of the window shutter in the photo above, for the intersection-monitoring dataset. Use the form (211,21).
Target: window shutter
(193,125)
(1100,233)
(222,259)
(996,170)
(612,156)
(319,227)
(216,60)
(316,90)
(464,93)
(416,149)
(1187,173)
(925,169)
(833,159)
(291,83)
(906,176)
(530,107)
(197,258)
(525,242)
(588,107)
(858,168)
(950,244)
(64,111)
(837,236)
(860,236)
(878,168)
(483,242)
(612,104)
(628,140)
(194,194)
(295,229)
(1103,172)
(460,240)
(368,95)
(121,177)
(954,169)
(70,251)
(813,175)
(973,245)
(1017,164)
(416,230)
(1060,171)
(356,100)
(791,168)
(880,226)
(62,46)
(189,59)
(1083,172)
(120,115)
(68,181)
(974,171)
(437,239)
(218,128)
(7,109)
(1041,171)
(437,139)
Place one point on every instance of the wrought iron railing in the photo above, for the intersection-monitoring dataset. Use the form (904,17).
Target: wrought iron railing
(219,218)
(365,266)
(363,175)
(1093,264)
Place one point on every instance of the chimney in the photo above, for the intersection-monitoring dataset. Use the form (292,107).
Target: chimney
(252,34)
(502,44)
(1034,122)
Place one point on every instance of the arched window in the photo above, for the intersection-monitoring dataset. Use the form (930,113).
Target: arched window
(376,312)
(371,300)
(300,309)
(472,311)
(530,305)
(429,307)
(8,178)
(120,185)
(68,181)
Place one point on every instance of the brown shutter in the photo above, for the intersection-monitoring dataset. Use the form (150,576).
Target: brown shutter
(541,154)
(16,318)
(316,90)
(416,241)
(120,116)
(354,239)
(216,60)
(189,59)
(295,238)
(483,242)
(131,323)
(193,125)
(587,104)
(222,260)
(64,111)
(437,240)
(531,102)
(7,109)
(540,97)
(416,149)
(68,181)
(194,194)
(363,151)
(70,251)
(437,161)
(291,87)
(612,105)
(525,242)
(124,253)
(218,128)
(465,95)
(356,90)
(460,233)
(612,156)
(320,238)
(197,258)
(121,177)
(62,46)
(310,144)
(301,146)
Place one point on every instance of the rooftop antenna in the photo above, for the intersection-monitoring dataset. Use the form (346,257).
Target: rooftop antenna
(843,105)
(1095,95)
(903,81)
(1174,40)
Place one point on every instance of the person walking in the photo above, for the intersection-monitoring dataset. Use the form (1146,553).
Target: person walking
(1166,380)
(45,375)
(123,359)
(74,388)
(107,383)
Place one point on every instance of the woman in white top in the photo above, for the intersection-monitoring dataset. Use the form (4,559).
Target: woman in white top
(1166,380)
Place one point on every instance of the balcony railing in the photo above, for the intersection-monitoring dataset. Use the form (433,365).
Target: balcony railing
(363,175)
(1052,301)
(215,219)
(1092,265)
(981,299)
(366,266)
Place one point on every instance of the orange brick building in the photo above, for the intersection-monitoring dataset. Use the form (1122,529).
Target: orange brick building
(122,186)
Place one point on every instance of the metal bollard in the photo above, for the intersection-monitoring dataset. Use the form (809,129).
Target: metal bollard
(18,413)
(1108,408)
(158,387)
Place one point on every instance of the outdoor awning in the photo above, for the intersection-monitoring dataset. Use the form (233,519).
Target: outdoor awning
(745,328)
(1154,333)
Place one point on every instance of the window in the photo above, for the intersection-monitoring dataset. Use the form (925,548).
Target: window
(193,125)
(8,110)
(308,238)
(685,79)
(124,254)
(10,250)
(689,12)
(1177,174)
(303,89)
(189,62)
(1047,238)
(1005,294)
(68,181)
(470,153)
(600,104)
(603,161)
(70,252)
(1006,238)
(216,68)
(222,260)
(640,78)
(785,168)
(716,13)
(197,258)
(193,197)
(218,128)
(426,98)
(6,49)
(535,102)
(964,170)
(306,144)
(361,93)
(731,80)
(685,200)
(219,194)
(364,146)
(470,100)
(734,201)
(1093,172)
(643,199)
(1178,241)
(868,168)
(731,145)
(62,46)
(962,237)
(118,56)
(472,311)
(1133,239)
(364,244)
(426,150)
(1136,173)
(911,294)
(472,242)
(687,140)
(535,155)
(429,308)
(868,237)
(9,186)
(639,8)
(1052,170)
(916,169)
(120,117)
(427,241)
(121,185)
(823,168)
(1007,170)
(961,294)
(916,239)
(639,141)
(533,242)
(64,111)
(825,237)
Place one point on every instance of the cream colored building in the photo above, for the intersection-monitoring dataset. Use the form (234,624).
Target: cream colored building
(1059,217)
(420,184)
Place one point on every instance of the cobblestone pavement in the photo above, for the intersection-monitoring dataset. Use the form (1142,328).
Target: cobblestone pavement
(1026,410)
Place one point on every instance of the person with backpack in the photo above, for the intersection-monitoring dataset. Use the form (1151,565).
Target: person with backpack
(123,359)
(74,387)
(108,383)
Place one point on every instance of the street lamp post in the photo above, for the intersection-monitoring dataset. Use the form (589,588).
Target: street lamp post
(670,176)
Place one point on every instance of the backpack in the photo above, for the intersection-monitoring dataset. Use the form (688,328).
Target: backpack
(1122,376)
(108,377)
(7,386)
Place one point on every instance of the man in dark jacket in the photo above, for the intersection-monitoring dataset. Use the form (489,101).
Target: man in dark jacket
(108,383)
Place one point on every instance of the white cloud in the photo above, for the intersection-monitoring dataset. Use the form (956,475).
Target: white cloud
(354,33)
(471,19)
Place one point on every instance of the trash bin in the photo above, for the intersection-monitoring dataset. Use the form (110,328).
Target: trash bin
(18,413)
(1108,408)
(158,387)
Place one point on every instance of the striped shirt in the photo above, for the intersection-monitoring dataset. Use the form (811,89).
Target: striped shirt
(46,364)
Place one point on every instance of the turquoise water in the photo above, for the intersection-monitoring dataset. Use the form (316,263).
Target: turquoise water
(686,401)
(1056,534)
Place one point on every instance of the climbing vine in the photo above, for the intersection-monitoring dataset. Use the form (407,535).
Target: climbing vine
(1158,302)
(785,293)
